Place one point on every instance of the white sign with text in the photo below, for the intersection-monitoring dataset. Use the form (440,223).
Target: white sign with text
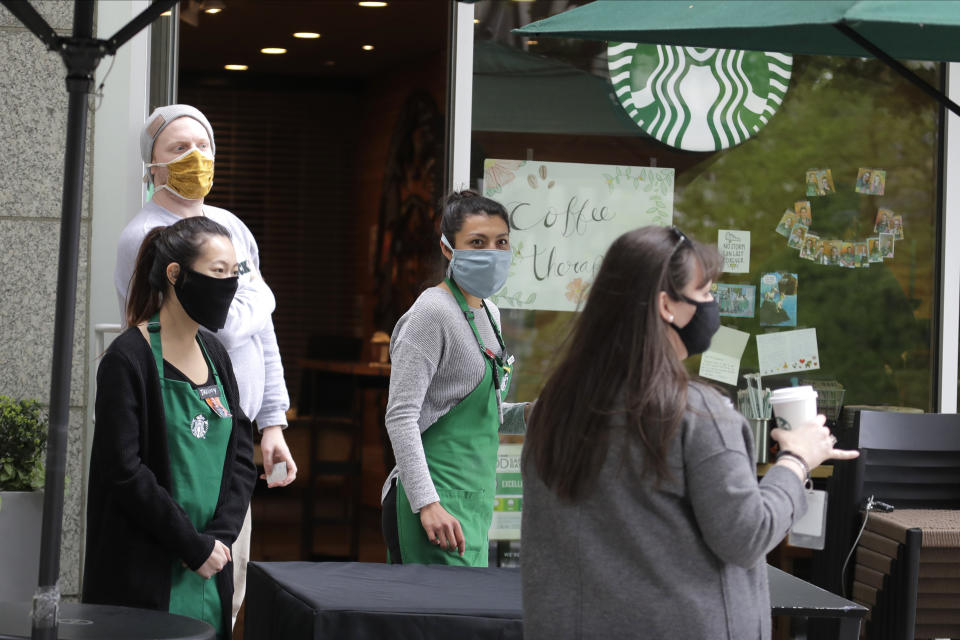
(563,218)
(734,246)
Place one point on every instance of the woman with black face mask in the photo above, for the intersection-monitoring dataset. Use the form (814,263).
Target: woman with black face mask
(642,514)
(171,471)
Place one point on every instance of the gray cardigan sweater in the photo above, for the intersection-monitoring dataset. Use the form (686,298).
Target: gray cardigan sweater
(682,560)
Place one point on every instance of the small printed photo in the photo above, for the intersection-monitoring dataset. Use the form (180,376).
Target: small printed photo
(802,209)
(861,258)
(778,300)
(846,255)
(811,180)
(735,300)
(824,182)
(795,241)
(886,245)
(873,249)
(896,227)
(884,221)
(871,181)
(831,252)
(787,221)
(812,248)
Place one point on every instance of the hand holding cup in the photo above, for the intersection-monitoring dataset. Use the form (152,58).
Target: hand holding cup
(813,442)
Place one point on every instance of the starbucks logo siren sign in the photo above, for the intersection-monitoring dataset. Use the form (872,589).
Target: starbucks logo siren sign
(698,99)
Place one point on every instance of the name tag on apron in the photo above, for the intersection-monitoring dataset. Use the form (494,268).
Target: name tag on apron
(211,395)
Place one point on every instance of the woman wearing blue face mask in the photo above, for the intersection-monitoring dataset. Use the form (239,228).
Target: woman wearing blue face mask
(451,372)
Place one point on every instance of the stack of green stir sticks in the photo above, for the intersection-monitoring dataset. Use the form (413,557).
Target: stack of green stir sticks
(754,401)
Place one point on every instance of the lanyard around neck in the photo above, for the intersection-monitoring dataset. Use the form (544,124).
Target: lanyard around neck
(468,313)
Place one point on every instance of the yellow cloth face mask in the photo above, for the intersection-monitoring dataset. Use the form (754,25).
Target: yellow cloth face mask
(190,175)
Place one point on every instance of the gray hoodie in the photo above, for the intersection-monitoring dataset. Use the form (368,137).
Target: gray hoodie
(682,560)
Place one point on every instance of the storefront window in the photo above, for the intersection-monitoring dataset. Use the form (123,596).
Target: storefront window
(552,100)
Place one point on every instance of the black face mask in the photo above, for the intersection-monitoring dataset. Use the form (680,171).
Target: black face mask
(698,333)
(205,299)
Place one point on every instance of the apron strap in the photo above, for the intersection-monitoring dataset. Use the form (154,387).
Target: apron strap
(461,300)
(156,346)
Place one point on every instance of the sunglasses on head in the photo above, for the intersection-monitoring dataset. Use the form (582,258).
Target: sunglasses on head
(681,238)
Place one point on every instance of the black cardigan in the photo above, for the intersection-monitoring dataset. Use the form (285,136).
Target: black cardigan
(135,529)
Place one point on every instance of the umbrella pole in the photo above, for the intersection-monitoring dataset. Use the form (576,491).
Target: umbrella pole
(899,67)
(79,80)
(81,54)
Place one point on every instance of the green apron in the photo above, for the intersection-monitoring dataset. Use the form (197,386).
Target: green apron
(461,451)
(198,431)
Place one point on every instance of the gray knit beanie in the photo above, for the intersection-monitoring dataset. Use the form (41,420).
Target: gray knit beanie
(160,118)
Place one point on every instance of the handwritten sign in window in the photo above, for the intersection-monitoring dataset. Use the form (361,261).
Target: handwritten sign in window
(563,217)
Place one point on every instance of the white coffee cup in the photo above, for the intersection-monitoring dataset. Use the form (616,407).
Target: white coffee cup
(794,406)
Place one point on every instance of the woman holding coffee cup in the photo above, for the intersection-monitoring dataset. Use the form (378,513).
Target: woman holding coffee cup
(642,513)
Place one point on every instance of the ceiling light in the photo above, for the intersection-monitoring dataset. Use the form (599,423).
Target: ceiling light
(476,21)
(369,3)
(213,6)
(309,35)
(273,50)
(533,42)
(368,47)
(212,10)
(235,67)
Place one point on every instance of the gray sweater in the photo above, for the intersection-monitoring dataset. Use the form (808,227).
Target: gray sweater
(436,363)
(685,560)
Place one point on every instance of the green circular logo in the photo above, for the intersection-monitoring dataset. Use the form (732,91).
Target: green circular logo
(695,98)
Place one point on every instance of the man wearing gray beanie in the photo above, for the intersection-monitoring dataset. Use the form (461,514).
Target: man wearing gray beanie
(177,146)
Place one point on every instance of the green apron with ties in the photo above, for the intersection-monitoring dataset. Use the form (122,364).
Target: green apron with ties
(461,451)
(199,424)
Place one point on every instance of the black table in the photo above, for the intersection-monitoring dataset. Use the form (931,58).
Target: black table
(310,601)
(791,596)
(342,600)
(88,621)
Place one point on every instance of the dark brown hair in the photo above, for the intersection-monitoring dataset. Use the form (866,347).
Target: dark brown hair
(182,243)
(460,204)
(618,364)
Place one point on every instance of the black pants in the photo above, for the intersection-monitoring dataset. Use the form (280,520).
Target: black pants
(388,522)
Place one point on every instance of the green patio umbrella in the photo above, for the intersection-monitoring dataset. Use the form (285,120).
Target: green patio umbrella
(549,96)
(885,29)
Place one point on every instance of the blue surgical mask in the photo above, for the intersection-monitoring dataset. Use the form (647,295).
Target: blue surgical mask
(479,272)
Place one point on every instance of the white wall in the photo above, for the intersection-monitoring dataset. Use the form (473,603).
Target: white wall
(118,188)
(950,314)
(462,97)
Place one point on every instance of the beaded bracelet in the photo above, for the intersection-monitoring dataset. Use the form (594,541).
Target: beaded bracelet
(803,464)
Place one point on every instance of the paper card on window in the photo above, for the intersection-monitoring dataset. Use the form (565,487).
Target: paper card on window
(735,300)
(721,361)
(778,299)
(871,181)
(788,351)
(508,499)
(734,246)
